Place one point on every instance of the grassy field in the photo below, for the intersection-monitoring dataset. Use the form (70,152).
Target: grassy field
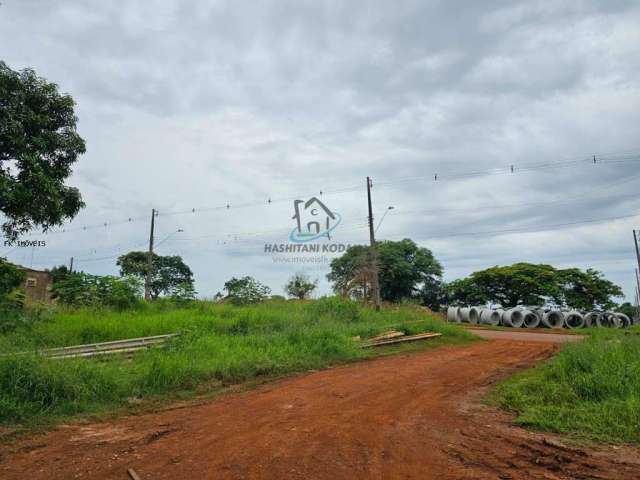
(219,344)
(590,390)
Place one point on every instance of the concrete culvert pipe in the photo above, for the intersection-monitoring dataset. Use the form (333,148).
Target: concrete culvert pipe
(593,319)
(530,319)
(453,314)
(611,320)
(490,317)
(513,318)
(474,315)
(464,314)
(553,319)
(624,320)
(574,319)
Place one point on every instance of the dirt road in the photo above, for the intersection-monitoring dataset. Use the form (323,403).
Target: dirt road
(416,416)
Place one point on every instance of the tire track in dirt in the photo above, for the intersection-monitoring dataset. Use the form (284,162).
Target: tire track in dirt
(415,416)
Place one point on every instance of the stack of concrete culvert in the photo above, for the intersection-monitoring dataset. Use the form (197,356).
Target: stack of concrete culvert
(530,317)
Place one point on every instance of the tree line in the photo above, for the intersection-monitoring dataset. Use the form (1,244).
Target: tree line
(408,272)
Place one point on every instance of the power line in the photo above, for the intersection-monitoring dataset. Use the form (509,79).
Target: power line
(504,169)
(540,228)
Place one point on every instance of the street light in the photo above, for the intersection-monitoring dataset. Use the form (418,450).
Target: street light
(385,214)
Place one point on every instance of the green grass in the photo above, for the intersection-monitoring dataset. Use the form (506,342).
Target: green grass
(219,344)
(590,390)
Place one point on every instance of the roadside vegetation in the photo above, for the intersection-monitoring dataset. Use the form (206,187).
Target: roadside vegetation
(219,344)
(591,389)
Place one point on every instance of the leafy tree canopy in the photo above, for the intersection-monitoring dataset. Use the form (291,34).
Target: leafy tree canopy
(11,277)
(535,284)
(169,273)
(79,289)
(300,286)
(628,309)
(405,271)
(38,146)
(59,273)
(246,290)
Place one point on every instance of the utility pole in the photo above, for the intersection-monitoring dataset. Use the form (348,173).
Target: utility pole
(638,288)
(375,281)
(635,240)
(147,281)
(71,265)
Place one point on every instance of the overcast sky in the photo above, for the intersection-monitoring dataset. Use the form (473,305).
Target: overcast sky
(199,104)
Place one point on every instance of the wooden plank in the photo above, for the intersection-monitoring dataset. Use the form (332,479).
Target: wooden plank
(412,338)
(132,473)
(386,336)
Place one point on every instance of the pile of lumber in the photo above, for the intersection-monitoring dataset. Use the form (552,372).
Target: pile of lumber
(117,347)
(392,337)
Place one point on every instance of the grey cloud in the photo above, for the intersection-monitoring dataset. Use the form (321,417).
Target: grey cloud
(196,104)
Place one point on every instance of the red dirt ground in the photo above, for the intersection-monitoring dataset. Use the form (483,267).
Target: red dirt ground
(414,416)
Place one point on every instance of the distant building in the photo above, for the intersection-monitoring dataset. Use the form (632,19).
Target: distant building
(37,285)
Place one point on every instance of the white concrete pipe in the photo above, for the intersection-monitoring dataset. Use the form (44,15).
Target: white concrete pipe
(513,318)
(574,319)
(490,317)
(530,319)
(553,319)
(624,320)
(611,320)
(453,314)
(593,319)
(474,315)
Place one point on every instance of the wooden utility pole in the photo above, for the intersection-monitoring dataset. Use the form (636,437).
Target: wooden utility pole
(375,281)
(635,240)
(71,265)
(638,286)
(147,281)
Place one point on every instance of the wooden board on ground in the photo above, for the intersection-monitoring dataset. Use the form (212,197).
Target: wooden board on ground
(410,338)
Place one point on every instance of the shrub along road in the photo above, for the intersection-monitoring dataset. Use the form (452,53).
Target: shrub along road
(410,416)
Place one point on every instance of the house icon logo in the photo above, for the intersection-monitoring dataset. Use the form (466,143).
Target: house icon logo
(314,220)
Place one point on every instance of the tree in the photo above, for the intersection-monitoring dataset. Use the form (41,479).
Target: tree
(586,290)
(405,271)
(59,273)
(531,284)
(517,284)
(628,309)
(300,286)
(168,272)
(246,290)
(184,294)
(11,277)
(80,289)
(351,272)
(38,146)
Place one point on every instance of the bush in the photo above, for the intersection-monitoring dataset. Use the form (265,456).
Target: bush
(336,308)
(246,290)
(183,294)
(300,286)
(10,277)
(84,290)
